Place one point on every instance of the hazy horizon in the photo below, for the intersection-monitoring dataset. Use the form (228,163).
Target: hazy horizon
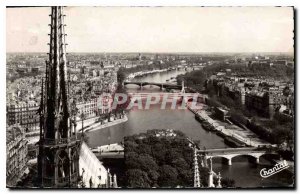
(136,52)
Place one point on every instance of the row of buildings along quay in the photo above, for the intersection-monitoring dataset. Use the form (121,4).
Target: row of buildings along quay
(57,103)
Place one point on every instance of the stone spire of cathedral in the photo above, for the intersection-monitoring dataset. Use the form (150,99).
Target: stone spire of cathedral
(58,160)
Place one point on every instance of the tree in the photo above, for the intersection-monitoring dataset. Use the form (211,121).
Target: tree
(136,178)
(132,163)
(147,163)
(153,175)
(159,152)
(180,164)
(121,75)
(186,177)
(130,147)
(121,108)
(168,176)
(172,155)
(102,118)
(286,91)
(160,161)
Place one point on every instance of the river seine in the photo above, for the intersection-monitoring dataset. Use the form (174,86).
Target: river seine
(245,174)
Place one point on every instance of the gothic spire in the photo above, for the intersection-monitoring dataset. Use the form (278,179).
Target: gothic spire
(57,112)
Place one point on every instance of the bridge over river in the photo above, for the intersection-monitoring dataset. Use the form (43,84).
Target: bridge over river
(166,95)
(230,153)
(160,85)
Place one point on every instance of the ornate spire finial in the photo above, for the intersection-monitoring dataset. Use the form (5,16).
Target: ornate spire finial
(219,181)
(196,170)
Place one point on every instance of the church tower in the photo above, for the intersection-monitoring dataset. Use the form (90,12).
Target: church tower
(58,159)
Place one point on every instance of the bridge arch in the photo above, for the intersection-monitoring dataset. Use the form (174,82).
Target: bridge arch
(252,153)
(251,157)
(220,156)
(161,85)
(230,157)
(132,83)
(223,157)
(152,84)
(141,84)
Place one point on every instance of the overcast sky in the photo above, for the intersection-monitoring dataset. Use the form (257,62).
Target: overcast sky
(156,29)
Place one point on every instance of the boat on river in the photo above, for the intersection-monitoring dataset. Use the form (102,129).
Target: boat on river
(199,118)
(207,126)
(233,142)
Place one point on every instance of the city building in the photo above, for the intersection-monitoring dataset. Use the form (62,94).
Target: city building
(16,154)
(265,96)
(25,114)
(88,109)
(265,103)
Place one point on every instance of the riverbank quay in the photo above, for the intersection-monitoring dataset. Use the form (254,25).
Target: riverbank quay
(88,126)
(97,125)
(115,147)
(143,73)
(111,151)
(86,123)
(225,129)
